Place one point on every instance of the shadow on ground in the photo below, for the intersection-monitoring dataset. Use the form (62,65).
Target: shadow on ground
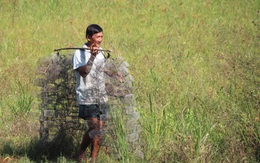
(38,150)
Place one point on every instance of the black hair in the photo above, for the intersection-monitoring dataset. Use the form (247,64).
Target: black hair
(93,29)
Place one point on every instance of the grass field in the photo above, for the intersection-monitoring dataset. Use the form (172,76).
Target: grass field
(196,66)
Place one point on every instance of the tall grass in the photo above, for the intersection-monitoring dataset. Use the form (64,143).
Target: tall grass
(20,103)
(195,64)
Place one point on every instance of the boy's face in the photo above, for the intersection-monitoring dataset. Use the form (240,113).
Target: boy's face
(96,39)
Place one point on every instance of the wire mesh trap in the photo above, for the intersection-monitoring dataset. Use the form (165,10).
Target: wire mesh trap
(59,109)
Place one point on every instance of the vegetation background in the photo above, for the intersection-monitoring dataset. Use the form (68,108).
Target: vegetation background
(195,63)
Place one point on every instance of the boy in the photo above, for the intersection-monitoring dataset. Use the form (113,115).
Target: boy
(90,89)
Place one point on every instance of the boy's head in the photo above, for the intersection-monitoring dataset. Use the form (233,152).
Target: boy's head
(94,35)
(93,29)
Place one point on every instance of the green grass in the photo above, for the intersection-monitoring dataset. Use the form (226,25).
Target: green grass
(195,64)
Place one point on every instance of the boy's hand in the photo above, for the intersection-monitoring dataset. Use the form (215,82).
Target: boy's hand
(94,49)
(120,77)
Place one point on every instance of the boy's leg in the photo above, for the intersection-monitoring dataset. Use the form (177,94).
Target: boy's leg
(83,146)
(97,125)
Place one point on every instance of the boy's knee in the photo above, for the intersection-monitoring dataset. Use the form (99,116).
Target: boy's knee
(95,134)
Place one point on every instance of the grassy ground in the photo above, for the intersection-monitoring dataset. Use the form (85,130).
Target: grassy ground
(195,64)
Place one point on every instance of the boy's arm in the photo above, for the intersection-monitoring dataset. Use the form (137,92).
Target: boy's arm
(84,70)
(114,74)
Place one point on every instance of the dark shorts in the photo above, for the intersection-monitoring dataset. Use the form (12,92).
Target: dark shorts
(90,111)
